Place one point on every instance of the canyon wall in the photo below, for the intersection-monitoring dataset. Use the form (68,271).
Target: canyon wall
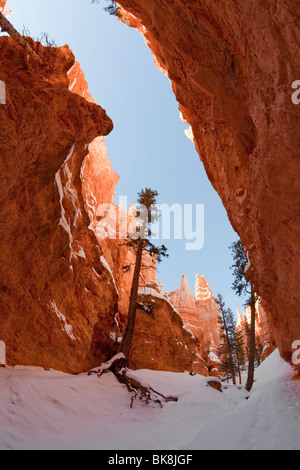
(57,301)
(231,64)
(64,295)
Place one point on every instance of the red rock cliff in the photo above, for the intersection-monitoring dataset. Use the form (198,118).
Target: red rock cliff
(231,64)
(57,301)
(64,295)
(162,341)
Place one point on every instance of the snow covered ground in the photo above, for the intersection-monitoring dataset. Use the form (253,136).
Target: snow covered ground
(52,410)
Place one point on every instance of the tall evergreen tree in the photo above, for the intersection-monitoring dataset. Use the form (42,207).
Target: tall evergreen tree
(112,8)
(240,353)
(141,245)
(139,242)
(228,342)
(243,287)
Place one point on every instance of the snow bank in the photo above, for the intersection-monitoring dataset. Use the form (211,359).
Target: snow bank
(268,420)
(53,410)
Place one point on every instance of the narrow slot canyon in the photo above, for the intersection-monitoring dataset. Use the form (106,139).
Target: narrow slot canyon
(192,99)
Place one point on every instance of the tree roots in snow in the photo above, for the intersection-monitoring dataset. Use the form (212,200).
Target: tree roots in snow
(139,389)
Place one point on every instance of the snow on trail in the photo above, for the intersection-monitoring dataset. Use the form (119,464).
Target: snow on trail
(52,410)
(269,420)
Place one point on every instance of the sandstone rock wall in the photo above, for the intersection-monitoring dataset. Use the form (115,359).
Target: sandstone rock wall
(64,295)
(262,329)
(162,341)
(57,301)
(231,64)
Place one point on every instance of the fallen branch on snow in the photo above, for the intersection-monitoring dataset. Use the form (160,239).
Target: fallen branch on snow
(140,389)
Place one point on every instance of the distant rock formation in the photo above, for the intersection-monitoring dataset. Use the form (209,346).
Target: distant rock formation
(3,7)
(200,313)
(184,302)
(161,340)
(208,312)
(262,330)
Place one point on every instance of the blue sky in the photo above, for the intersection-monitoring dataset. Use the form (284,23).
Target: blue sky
(148,147)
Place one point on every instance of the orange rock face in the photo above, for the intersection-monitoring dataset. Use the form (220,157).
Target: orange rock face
(162,341)
(64,295)
(231,65)
(184,302)
(200,315)
(3,5)
(262,329)
(58,301)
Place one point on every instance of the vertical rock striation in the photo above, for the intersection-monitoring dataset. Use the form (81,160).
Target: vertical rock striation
(57,301)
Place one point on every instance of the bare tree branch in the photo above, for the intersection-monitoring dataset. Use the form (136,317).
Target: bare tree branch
(7,27)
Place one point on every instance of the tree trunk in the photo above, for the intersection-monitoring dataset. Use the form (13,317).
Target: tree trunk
(250,379)
(8,28)
(128,334)
(229,350)
(118,365)
(239,374)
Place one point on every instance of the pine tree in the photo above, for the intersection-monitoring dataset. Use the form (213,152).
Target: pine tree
(228,340)
(139,242)
(243,287)
(112,8)
(240,353)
